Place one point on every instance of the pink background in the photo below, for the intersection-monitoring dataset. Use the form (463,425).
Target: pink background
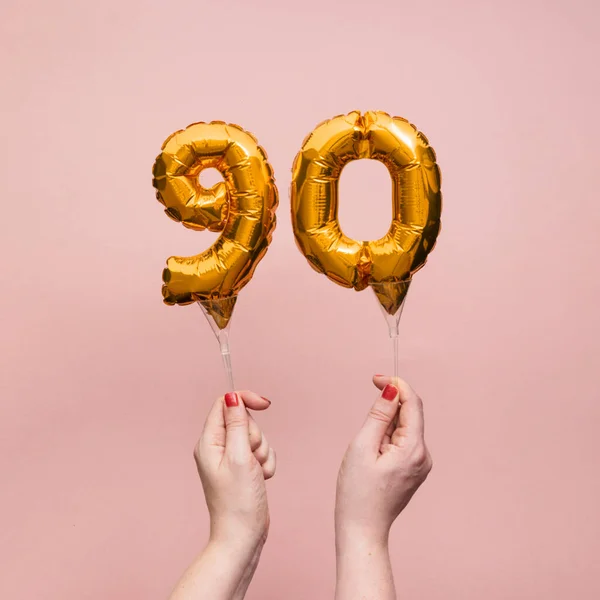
(104,389)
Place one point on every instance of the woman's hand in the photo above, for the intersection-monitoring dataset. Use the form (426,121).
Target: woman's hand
(234,459)
(383,467)
(385,464)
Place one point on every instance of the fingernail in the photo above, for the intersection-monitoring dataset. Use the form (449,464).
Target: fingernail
(266,399)
(389,392)
(231,399)
(378,375)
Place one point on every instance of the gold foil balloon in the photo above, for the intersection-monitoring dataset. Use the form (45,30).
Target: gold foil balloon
(242,208)
(387,264)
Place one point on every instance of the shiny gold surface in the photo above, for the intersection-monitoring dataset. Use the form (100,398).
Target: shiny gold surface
(386,264)
(242,208)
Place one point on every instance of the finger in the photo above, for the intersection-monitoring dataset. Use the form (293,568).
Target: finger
(262,452)
(390,430)
(381,381)
(410,418)
(269,465)
(254,434)
(213,433)
(237,424)
(392,425)
(378,420)
(253,401)
(387,448)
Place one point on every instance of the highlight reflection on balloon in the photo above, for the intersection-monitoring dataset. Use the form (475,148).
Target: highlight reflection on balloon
(387,264)
(242,208)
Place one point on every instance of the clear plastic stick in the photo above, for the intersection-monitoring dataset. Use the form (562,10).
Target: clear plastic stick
(390,293)
(395,337)
(387,291)
(222,335)
(396,358)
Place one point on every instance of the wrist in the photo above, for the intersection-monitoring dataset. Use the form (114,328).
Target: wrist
(363,568)
(241,546)
(224,569)
(357,537)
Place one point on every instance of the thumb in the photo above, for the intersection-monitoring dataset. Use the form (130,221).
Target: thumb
(379,418)
(237,435)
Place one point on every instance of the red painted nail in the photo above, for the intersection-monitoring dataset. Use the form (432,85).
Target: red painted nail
(389,392)
(231,399)
(266,399)
(379,375)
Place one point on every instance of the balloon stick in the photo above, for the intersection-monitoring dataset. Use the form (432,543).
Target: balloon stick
(213,311)
(391,297)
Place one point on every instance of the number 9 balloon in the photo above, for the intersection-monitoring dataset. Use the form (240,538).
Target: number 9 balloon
(387,264)
(242,208)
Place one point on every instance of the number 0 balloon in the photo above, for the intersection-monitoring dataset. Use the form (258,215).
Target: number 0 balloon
(387,264)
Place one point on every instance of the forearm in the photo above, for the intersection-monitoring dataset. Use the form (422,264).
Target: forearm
(364,571)
(223,571)
(247,575)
